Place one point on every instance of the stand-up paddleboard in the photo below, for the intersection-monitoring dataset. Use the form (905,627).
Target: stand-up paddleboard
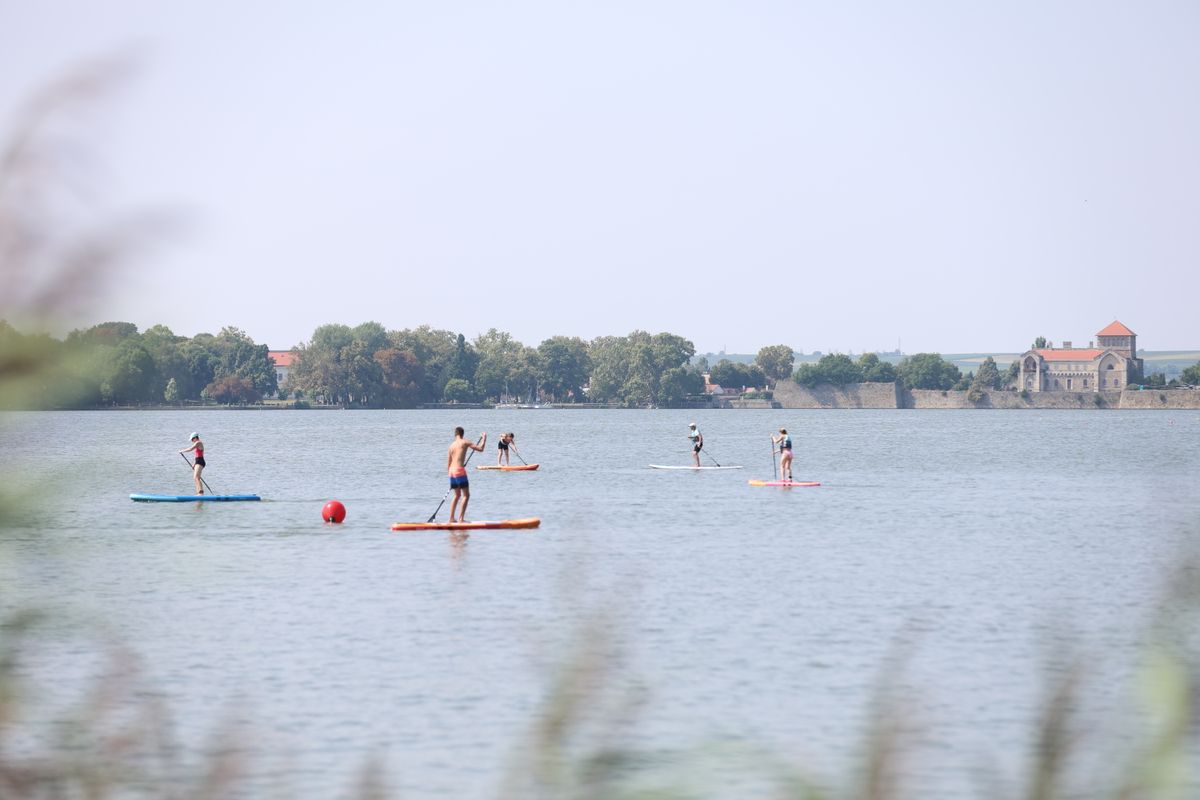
(663,466)
(193,498)
(528,522)
(784,483)
(510,467)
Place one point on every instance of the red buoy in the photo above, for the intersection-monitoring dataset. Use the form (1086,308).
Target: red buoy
(333,511)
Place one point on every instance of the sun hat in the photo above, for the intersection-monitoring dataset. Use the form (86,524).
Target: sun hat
(691,425)
(194,436)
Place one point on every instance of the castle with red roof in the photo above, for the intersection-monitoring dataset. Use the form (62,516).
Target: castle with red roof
(1110,363)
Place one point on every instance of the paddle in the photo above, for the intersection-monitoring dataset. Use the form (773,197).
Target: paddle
(774,472)
(718,463)
(447,494)
(514,449)
(193,466)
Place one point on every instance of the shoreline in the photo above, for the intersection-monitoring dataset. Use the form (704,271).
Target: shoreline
(886,396)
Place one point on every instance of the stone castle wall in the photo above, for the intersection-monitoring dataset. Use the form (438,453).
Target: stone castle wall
(891,395)
(789,394)
(1160,398)
(933,398)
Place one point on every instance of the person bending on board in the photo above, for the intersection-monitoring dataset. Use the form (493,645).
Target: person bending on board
(785,453)
(456,466)
(697,442)
(196,448)
(506,441)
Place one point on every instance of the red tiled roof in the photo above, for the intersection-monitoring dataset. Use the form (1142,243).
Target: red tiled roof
(281,358)
(1074,354)
(1116,329)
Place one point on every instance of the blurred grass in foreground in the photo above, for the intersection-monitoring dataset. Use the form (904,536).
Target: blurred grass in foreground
(113,737)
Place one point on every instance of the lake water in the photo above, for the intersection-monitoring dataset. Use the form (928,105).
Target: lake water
(757,617)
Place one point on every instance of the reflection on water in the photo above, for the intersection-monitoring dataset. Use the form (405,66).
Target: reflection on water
(752,613)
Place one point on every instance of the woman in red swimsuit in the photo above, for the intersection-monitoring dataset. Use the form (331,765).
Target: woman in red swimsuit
(197,449)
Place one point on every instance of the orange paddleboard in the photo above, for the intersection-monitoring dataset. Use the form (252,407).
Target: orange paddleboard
(528,522)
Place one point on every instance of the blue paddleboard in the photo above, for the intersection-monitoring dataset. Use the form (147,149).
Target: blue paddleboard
(192,498)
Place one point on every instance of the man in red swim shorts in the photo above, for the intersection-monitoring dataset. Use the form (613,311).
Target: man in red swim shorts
(456,466)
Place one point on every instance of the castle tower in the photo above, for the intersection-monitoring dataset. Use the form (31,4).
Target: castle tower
(1119,338)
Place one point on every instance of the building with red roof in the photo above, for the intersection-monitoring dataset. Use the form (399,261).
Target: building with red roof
(283,361)
(1110,363)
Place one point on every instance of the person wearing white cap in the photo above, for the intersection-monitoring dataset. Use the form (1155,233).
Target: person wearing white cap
(697,439)
(198,464)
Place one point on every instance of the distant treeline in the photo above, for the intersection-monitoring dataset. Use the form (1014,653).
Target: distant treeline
(370,366)
(919,371)
(114,364)
(367,365)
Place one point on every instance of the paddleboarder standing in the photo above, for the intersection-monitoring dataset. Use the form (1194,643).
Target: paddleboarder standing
(506,441)
(697,439)
(785,453)
(456,466)
(196,448)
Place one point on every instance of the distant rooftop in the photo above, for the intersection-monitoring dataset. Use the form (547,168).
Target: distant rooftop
(1116,329)
(1072,354)
(281,358)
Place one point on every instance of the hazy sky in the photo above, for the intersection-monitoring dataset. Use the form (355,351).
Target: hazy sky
(834,176)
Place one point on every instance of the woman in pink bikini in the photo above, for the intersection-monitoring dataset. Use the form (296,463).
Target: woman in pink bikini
(196,448)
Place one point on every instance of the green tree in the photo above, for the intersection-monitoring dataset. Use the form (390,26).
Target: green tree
(464,361)
(988,376)
(498,357)
(776,361)
(641,383)
(735,375)
(875,370)
(372,336)
(1039,343)
(402,375)
(1191,375)
(632,369)
(319,370)
(834,368)
(132,378)
(610,368)
(364,376)
(231,390)
(434,348)
(238,355)
(171,393)
(457,391)
(985,380)
(106,333)
(677,383)
(671,351)
(565,366)
(1012,375)
(525,374)
(165,348)
(928,371)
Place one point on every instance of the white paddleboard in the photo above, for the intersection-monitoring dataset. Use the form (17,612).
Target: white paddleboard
(663,466)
